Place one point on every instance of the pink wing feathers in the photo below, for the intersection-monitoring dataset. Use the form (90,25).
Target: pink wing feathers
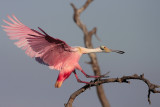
(46,49)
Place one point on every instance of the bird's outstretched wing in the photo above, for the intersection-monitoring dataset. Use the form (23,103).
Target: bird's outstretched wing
(46,49)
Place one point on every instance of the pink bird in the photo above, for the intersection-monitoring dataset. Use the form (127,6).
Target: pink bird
(50,51)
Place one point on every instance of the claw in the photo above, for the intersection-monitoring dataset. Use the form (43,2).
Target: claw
(100,76)
(90,83)
(104,75)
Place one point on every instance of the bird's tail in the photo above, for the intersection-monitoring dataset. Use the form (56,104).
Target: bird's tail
(58,84)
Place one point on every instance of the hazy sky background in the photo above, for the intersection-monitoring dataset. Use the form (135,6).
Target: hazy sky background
(129,25)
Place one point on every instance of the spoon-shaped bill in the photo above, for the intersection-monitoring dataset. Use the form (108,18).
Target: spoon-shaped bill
(118,51)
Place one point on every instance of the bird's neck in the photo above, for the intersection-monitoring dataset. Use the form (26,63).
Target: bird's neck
(87,50)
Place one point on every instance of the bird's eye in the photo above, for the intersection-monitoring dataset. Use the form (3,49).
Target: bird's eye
(102,47)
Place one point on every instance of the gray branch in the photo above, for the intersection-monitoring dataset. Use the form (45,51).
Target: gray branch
(152,88)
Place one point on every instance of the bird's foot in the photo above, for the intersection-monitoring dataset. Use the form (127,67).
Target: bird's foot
(98,76)
(80,81)
(104,75)
(91,83)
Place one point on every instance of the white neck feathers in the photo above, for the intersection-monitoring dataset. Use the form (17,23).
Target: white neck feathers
(86,50)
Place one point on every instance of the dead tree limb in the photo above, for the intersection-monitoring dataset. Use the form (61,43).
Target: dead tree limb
(152,88)
(88,44)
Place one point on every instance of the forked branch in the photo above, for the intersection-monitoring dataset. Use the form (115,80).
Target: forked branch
(152,88)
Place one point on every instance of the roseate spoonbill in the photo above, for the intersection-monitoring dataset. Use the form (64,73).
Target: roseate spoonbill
(50,51)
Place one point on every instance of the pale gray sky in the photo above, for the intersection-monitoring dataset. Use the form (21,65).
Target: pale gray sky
(129,25)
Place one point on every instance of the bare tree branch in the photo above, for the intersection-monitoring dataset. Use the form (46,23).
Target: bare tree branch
(98,83)
(125,79)
(88,44)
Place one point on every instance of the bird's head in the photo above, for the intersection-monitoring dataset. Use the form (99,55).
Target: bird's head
(107,50)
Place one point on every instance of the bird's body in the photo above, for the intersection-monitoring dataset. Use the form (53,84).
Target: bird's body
(48,50)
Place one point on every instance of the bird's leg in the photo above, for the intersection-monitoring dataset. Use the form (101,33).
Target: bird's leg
(89,76)
(78,80)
